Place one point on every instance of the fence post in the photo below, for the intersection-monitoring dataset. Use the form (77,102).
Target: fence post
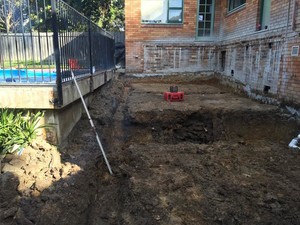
(59,101)
(90,47)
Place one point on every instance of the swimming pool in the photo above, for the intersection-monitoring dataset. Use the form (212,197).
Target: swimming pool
(31,76)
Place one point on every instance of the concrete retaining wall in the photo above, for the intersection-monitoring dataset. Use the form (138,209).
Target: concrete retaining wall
(40,98)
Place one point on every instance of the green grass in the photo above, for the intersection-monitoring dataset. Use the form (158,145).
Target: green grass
(29,64)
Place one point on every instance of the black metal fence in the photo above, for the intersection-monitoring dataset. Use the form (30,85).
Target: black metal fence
(41,41)
(119,37)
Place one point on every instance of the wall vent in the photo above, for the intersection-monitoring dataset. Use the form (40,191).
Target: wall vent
(295,51)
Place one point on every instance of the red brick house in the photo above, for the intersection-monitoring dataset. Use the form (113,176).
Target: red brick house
(252,42)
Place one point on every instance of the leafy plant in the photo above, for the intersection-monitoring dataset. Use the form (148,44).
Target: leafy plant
(108,14)
(17,130)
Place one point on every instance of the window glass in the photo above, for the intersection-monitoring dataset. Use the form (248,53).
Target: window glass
(175,3)
(205,18)
(265,8)
(175,15)
(161,11)
(232,4)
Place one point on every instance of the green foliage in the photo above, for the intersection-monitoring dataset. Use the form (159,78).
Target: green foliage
(17,130)
(112,15)
(8,22)
(108,14)
(36,15)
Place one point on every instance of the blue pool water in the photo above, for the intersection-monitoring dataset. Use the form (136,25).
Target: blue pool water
(15,75)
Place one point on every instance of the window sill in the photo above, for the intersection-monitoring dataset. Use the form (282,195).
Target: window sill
(161,25)
(229,13)
(205,39)
(262,30)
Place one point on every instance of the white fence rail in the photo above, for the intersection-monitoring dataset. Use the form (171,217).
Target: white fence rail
(27,47)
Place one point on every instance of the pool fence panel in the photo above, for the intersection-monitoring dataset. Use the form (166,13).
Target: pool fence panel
(47,35)
(18,47)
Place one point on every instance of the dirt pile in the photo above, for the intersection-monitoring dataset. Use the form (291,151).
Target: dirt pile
(215,158)
(29,174)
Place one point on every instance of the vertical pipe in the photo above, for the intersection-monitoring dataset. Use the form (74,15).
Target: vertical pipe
(288,19)
(294,20)
(174,58)
(56,52)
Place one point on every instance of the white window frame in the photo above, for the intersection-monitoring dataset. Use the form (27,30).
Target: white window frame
(165,11)
(201,17)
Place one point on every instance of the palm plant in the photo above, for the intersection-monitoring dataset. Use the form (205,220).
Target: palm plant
(16,130)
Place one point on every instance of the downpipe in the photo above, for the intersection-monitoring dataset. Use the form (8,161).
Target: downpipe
(294,143)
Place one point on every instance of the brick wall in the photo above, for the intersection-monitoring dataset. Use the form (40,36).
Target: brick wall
(178,57)
(289,82)
(137,33)
(245,20)
(258,59)
(254,63)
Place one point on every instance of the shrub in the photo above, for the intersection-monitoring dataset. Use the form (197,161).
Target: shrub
(17,130)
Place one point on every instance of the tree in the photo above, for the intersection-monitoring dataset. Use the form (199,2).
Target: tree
(108,14)
(112,16)
(9,14)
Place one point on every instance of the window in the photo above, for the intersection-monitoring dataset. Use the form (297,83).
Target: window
(233,4)
(264,17)
(161,11)
(205,18)
(295,51)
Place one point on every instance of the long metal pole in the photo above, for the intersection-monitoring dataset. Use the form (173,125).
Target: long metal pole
(92,124)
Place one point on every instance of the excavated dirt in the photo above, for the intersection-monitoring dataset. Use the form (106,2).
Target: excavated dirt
(215,158)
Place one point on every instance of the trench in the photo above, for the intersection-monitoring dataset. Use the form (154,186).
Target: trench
(173,127)
(164,159)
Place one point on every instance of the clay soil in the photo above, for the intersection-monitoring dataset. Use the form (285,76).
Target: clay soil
(215,158)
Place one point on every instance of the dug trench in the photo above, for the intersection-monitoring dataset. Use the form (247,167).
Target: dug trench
(215,158)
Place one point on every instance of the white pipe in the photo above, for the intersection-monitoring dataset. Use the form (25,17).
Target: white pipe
(294,142)
(288,18)
(92,124)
